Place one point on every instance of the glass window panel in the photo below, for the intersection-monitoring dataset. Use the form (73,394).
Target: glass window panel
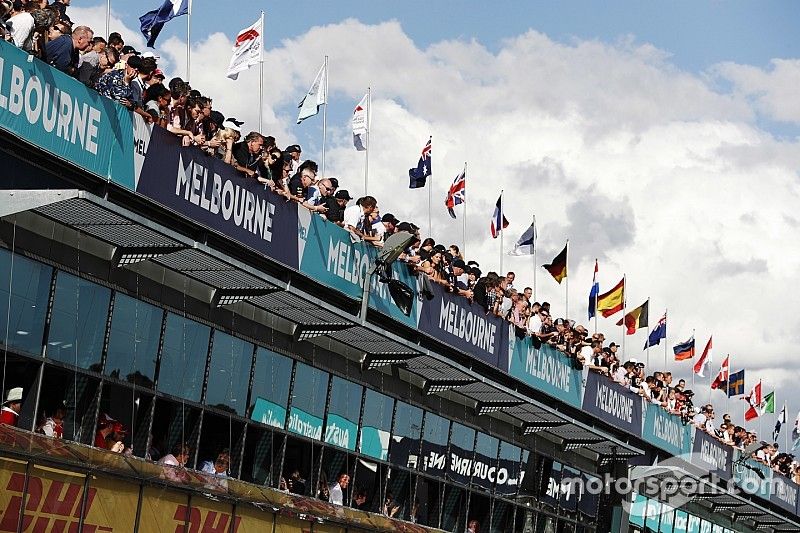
(454,508)
(653,512)
(77,328)
(308,401)
(404,450)
(376,425)
(434,444)
(485,470)
(133,343)
(183,357)
(343,413)
(229,373)
(509,474)
(30,287)
(273,374)
(462,442)
(680,523)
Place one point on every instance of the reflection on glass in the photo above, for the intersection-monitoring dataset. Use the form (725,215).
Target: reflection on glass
(434,444)
(462,441)
(229,373)
(485,470)
(308,401)
(77,328)
(376,425)
(133,343)
(22,313)
(404,450)
(183,357)
(343,413)
(509,477)
(270,396)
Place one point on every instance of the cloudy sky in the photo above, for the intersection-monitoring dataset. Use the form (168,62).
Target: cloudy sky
(662,140)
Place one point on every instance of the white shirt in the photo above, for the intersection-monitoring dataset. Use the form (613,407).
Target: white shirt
(337,496)
(354,216)
(534,324)
(700,420)
(21,27)
(169,459)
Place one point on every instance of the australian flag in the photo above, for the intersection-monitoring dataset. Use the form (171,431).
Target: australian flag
(658,333)
(418,176)
(154,20)
(455,196)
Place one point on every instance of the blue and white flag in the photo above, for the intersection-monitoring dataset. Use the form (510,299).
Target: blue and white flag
(316,96)
(154,20)
(418,176)
(526,243)
(593,293)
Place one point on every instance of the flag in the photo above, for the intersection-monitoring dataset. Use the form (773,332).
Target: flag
(778,423)
(796,432)
(361,124)
(768,404)
(153,21)
(456,194)
(704,361)
(612,301)
(754,400)
(595,290)
(658,333)
(419,175)
(722,377)
(684,350)
(635,319)
(247,49)
(527,241)
(736,384)
(558,267)
(316,96)
(498,226)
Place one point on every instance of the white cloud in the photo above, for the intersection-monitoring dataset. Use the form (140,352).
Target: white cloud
(652,169)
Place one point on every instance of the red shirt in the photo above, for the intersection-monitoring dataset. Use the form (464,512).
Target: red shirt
(8,417)
(100,440)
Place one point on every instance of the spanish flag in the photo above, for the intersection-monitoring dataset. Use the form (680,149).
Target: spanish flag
(612,301)
(635,319)
(558,268)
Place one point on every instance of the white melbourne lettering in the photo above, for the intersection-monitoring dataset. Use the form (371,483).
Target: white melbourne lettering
(306,429)
(713,455)
(466,325)
(786,492)
(49,108)
(220,196)
(548,368)
(614,403)
(670,431)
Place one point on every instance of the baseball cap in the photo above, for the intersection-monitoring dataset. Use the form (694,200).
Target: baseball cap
(342,195)
(293,148)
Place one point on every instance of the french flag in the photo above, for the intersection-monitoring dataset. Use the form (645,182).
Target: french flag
(497,225)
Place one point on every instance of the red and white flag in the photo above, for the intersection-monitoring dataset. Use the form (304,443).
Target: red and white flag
(705,360)
(361,123)
(723,376)
(754,399)
(248,49)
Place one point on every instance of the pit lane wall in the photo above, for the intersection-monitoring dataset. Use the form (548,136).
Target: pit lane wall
(73,123)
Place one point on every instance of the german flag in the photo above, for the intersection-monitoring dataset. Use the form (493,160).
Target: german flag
(635,319)
(612,301)
(684,350)
(558,268)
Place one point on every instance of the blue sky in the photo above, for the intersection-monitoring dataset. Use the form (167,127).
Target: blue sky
(697,33)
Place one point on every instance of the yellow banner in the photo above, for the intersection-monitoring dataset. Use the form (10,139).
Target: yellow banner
(12,480)
(252,520)
(284,524)
(160,511)
(112,501)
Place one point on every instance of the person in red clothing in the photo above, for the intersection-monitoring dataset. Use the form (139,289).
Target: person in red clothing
(110,433)
(9,414)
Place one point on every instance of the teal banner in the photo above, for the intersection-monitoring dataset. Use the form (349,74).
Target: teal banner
(545,369)
(269,413)
(305,424)
(341,432)
(666,431)
(329,255)
(375,443)
(64,117)
(752,477)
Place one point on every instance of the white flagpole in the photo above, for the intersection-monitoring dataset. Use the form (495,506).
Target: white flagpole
(261,79)
(692,368)
(325,116)
(647,332)
(785,430)
(665,339)
(535,294)
(108,18)
(500,229)
(728,384)
(369,127)
(429,185)
(624,302)
(464,224)
(189,42)
(566,271)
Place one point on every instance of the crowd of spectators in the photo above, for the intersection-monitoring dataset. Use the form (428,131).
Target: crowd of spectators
(133,79)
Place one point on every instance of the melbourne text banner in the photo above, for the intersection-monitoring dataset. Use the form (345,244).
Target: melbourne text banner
(613,403)
(465,326)
(62,116)
(546,369)
(666,431)
(206,190)
(710,454)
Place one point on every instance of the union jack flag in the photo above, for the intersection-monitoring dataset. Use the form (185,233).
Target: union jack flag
(455,196)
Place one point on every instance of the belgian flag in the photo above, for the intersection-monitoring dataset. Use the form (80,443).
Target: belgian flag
(558,267)
(635,319)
